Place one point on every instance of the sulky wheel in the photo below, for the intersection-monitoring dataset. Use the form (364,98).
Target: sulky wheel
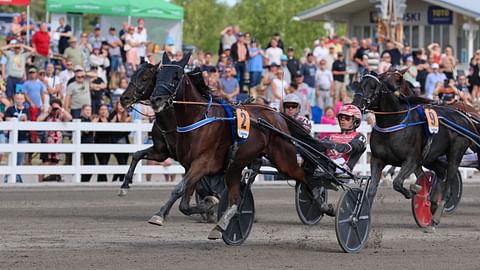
(241,224)
(352,220)
(421,201)
(307,208)
(454,195)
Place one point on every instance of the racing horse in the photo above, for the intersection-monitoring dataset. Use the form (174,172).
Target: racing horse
(207,142)
(399,138)
(164,137)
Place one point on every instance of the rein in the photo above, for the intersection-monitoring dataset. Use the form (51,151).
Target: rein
(399,112)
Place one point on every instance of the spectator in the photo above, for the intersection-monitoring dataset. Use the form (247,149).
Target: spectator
(208,64)
(99,59)
(306,94)
(277,37)
(87,137)
(432,79)
(435,52)
(15,66)
(86,48)
(78,93)
(411,73)
(339,70)
(331,56)
(167,163)
(227,38)
(224,63)
(122,35)
(309,70)
(473,79)
(73,53)
(324,85)
(53,82)
(19,111)
(268,77)
(463,87)
(41,44)
(320,50)
(35,92)
(352,64)
(344,99)
(65,76)
(115,56)
(274,53)
(131,47)
(240,56)
(395,54)
(448,62)
(293,64)
(406,52)
(96,38)
(15,29)
(420,61)
(359,57)
(122,86)
(140,35)
(283,65)
(4,103)
(279,89)
(385,63)
(98,89)
(371,58)
(229,86)
(55,113)
(102,137)
(64,32)
(120,115)
(328,118)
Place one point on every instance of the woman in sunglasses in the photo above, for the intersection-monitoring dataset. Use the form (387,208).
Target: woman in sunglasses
(291,106)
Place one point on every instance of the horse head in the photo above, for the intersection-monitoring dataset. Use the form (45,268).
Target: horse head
(395,81)
(368,91)
(168,80)
(140,86)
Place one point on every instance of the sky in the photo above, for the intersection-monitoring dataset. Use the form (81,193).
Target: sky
(229,2)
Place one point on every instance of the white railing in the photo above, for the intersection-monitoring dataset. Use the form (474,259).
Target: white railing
(77,148)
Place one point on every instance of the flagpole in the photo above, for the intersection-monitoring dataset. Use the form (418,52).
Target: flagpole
(28,24)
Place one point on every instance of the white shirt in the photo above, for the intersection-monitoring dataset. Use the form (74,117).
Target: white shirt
(274,55)
(141,37)
(64,76)
(320,52)
(323,79)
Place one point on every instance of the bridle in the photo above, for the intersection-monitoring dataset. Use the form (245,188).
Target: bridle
(171,87)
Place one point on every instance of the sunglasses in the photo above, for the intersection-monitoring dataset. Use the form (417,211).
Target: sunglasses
(290,106)
(345,117)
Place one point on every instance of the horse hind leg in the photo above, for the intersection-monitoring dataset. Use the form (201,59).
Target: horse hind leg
(406,170)
(177,192)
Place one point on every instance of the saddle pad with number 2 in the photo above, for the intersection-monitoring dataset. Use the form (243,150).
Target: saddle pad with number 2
(243,123)
(432,120)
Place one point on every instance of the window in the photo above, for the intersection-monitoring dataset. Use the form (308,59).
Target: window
(415,37)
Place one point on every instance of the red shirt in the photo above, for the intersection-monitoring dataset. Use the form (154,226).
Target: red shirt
(42,42)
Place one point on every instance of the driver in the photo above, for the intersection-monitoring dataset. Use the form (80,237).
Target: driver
(447,92)
(292,106)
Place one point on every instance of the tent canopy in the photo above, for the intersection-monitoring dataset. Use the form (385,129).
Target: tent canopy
(134,8)
(15,2)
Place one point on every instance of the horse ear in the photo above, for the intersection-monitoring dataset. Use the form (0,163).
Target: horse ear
(403,71)
(155,67)
(185,59)
(374,73)
(165,59)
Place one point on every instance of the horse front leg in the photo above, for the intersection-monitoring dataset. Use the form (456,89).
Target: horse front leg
(233,179)
(376,167)
(149,153)
(408,167)
(194,174)
(177,192)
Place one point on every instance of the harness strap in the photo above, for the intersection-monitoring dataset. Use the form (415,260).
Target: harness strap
(397,127)
(202,123)
(463,131)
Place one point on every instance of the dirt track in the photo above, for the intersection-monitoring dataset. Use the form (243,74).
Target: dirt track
(91,228)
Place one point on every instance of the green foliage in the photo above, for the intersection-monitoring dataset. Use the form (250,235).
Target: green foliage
(37,9)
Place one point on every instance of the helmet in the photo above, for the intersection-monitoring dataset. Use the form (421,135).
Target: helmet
(351,110)
(292,98)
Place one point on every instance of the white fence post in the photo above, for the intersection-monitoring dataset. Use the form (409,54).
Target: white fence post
(137,140)
(77,155)
(12,158)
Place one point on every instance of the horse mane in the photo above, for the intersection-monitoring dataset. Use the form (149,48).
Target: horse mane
(196,77)
(418,100)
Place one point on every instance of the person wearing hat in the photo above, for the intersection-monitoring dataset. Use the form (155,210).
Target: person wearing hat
(433,78)
(16,55)
(73,53)
(64,31)
(292,63)
(240,55)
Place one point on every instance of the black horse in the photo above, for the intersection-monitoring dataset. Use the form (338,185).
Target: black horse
(164,137)
(400,138)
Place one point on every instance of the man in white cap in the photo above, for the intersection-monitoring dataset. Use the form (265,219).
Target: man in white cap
(15,66)
(73,53)
(432,78)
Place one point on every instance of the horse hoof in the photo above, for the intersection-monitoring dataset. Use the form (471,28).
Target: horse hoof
(429,229)
(415,188)
(215,233)
(123,192)
(156,220)
(212,200)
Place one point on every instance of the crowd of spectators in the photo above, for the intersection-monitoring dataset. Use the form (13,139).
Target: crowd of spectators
(57,77)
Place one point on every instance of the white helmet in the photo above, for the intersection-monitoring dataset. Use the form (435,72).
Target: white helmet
(292,98)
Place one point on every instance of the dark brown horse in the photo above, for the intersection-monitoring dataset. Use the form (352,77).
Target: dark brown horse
(164,136)
(209,149)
